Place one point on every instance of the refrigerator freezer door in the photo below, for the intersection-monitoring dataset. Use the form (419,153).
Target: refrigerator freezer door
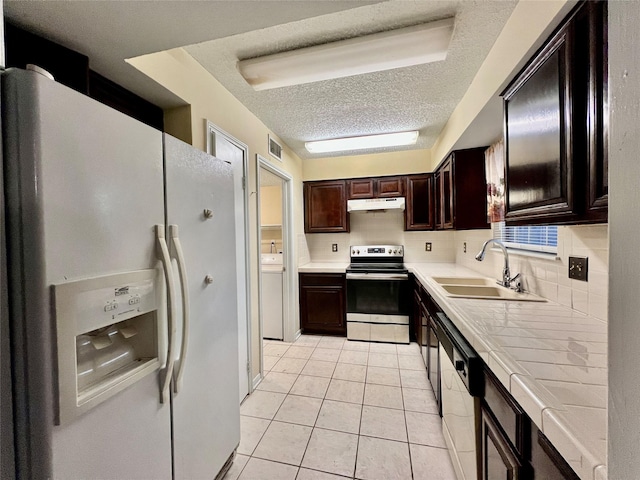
(206,412)
(86,190)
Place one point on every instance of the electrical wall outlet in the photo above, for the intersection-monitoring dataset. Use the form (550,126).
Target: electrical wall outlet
(427,246)
(464,247)
(334,247)
(578,268)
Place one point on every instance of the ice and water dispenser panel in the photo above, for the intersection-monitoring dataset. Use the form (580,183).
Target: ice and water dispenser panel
(108,336)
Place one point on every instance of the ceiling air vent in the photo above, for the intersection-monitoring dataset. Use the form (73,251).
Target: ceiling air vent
(275,149)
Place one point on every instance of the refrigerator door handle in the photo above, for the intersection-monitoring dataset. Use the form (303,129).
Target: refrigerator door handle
(184,288)
(166,374)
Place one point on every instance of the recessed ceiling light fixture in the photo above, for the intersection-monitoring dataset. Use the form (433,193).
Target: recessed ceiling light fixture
(360,143)
(371,53)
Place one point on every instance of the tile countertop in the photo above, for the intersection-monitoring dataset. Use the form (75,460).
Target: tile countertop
(326,267)
(552,359)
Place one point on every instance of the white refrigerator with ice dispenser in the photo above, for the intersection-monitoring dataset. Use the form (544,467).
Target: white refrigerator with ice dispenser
(121,292)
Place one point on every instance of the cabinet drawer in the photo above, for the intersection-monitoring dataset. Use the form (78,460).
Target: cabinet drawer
(322,279)
(508,413)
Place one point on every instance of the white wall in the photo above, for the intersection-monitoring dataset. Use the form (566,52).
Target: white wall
(367,165)
(550,278)
(271,205)
(624,222)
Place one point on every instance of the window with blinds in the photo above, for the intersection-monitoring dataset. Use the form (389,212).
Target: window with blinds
(535,238)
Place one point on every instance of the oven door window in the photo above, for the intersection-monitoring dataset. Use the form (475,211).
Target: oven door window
(381,297)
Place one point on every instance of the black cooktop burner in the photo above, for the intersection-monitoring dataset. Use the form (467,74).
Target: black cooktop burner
(377,267)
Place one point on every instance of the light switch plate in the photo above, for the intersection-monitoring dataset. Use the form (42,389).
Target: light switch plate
(578,268)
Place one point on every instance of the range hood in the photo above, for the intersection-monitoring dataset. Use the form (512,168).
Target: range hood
(369,204)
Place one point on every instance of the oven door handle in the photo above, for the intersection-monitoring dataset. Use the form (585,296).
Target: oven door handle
(377,276)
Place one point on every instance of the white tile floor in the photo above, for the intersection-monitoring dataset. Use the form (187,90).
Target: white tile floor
(329,409)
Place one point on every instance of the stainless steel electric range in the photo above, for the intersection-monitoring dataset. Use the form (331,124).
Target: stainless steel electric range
(378,294)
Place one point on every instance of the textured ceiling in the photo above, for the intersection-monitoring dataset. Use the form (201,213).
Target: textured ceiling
(218,33)
(412,98)
(109,32)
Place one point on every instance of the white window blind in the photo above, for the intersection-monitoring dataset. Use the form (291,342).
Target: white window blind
(536,238)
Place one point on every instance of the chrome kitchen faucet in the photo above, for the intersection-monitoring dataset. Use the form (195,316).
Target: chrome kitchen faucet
(506,274)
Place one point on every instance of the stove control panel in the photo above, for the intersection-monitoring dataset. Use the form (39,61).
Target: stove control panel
(377,251)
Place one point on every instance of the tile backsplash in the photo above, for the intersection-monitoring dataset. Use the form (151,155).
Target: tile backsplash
(385,228)
(546,277)
(549,278)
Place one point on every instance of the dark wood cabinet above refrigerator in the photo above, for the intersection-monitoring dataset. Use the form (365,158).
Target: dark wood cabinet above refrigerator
(72,69)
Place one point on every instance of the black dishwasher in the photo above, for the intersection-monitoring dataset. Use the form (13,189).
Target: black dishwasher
(461,388)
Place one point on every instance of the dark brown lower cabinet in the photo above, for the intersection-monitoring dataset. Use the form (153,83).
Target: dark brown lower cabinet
(511,446)
(546,462)
(420,320)
(499,461)
(416,333)
(323,303)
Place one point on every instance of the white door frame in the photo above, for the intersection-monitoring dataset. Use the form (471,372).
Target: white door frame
(213,129)
(289,280)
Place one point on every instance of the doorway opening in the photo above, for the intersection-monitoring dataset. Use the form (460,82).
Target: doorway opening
(276,252)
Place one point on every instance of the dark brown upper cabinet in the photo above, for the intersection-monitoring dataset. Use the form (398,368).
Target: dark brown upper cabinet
(460,191)
(454,197)
(360,188)
(325,207)
(377,187)
(390,187)
(555,122)
(598,111)
(419,202)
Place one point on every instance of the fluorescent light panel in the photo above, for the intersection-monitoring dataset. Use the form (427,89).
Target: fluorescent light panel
(364,142)
(404,47)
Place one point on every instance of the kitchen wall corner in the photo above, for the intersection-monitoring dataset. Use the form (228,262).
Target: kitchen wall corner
(303,250)
(547,277)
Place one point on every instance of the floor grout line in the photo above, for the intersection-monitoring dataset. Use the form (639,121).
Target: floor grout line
(324,399)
